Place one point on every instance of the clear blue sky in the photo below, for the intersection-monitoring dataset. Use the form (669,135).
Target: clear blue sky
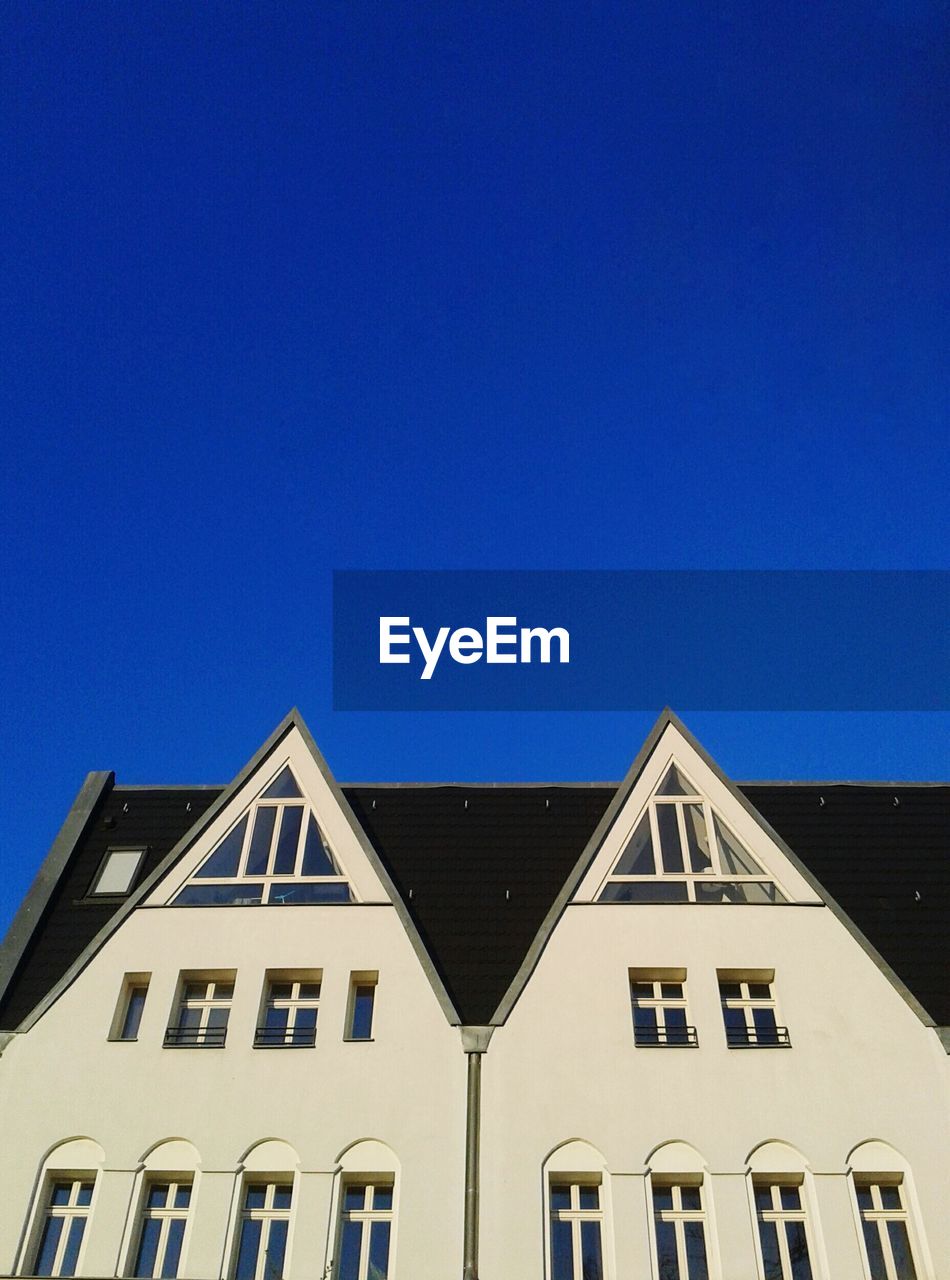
(295,287)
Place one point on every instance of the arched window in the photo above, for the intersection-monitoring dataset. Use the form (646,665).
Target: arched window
(576,1194)
(366,1203)
(892,1242)
(164,1198)
(264,1211)
(63,1207)
(785,1212)
(680,1202)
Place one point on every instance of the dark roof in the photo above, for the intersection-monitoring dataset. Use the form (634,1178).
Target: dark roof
(483,865)
(150,816)
(479,867)
(883,852)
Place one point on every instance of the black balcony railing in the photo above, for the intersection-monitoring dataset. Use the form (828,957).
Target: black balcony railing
(666,1037)
(758,1038)
(285,1037)
(195,1037)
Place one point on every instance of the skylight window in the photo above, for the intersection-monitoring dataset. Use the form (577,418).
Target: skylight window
(276,855)
(682,851)
(117,872)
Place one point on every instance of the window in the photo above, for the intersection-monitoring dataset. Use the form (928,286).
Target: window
(680,1223)
(116,873)
(885,1222)
(577,1229)
(659,1009)
(131,1005)
(275,854)
(64,1227)
(783,1234)
(748,1012)
(164,1216)
(682,851)
(265,1220)
(289,1017)
(366,1220)
(202,1013)
(359,1017)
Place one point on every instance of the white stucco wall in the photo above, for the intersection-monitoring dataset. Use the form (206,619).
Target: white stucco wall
(861,1066)
(405,1088)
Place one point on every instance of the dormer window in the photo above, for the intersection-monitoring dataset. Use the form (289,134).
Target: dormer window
(276,854)
(682,851)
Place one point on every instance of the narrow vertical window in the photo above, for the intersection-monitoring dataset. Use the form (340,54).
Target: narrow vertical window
(680,1223)
(265,1222)
(130,1007)
(64,1226)
(366,1219)
(783,1234)
(577,1221)
(200,1019)
(749,1013)
(164,1216)
(361,1007)
(289,1016)
(885,1224)
(658,1003)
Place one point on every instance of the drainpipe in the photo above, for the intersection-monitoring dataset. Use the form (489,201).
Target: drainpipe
(474,1043)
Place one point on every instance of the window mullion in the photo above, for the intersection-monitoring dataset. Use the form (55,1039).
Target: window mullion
(681,829)
(782,1234)
(364,1246)
(269,868)
(302,840)
(576,1246)
(164,1227)
(711,839)
(885,1238)
(681,1259)
(655,836)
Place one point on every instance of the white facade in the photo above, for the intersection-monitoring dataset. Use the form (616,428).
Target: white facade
(587,1137)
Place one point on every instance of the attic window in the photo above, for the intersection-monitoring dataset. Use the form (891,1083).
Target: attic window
(276,854)
(116,873)
(682,851)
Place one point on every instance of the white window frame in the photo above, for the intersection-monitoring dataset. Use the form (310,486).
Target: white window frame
(263,1039)
(266,1215)
(576,1216)
(747,1004)
(166,1215)
(70,1212)
(679,1217)
(779,1215)
(881,1216)
(367,1216)
(270,877)
(95,892)
(360,978)
(657,979)
(715,873)
(131,982)
(209,1001)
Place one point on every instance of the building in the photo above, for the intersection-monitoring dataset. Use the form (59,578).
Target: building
(677,1028)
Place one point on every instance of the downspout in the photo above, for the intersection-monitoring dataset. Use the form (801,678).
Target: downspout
(474,1043)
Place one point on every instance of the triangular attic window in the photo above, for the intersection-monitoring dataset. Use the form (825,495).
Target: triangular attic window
(275,854)
(681,851)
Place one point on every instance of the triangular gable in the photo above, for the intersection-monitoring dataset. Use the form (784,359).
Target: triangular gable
(676,839)
(280,840)
(353,852)
(618,824)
